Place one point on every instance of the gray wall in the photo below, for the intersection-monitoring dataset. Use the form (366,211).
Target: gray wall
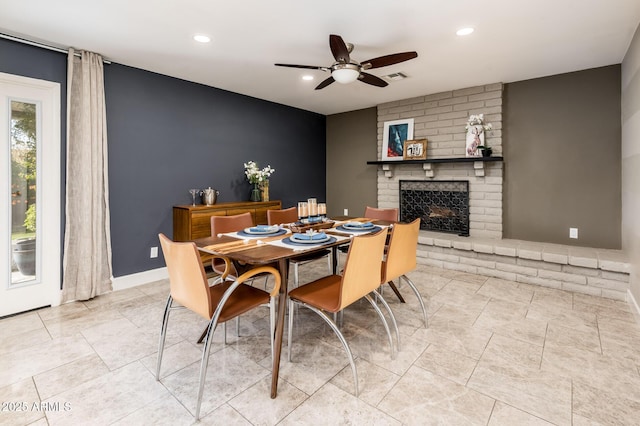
(631,161)
(561,144)
(351,141)
(30,61)
(168,135)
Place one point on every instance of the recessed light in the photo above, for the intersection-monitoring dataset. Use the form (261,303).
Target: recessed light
(464,31)
(307,77)
(201,38)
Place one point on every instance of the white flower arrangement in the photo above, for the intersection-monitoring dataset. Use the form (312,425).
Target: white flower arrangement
(478,120)
(255,175)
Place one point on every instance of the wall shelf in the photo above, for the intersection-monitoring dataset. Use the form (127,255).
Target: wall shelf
(478,164)
(439,160)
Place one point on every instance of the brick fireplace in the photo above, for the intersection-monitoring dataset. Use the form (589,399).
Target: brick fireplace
(441,119)
(441,205)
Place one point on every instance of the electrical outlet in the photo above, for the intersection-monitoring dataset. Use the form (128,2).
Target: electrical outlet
(154,252)
(346,212)
(573,233)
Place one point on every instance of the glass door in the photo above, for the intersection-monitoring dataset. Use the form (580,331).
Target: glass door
(30,194)
(23,152)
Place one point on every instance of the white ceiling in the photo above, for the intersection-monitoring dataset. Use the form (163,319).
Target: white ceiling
(514,40)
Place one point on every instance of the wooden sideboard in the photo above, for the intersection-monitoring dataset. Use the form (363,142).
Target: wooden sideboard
(190,222)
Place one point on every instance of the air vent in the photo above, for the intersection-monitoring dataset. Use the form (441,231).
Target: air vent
(396,76)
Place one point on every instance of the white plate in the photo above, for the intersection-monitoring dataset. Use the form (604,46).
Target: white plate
(358,226)
(295,240)
(261,230)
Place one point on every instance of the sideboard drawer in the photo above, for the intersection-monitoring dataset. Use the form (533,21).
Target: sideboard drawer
(201,223)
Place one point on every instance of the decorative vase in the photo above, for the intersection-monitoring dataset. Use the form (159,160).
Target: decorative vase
(265,190)
(475,138)
(255,193)
(24,255)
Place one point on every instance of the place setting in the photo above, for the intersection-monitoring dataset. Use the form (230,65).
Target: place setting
(260,231)
(357,228)
(306,240)
(248,238)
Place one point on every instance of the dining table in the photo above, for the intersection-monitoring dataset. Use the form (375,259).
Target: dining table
(278,247)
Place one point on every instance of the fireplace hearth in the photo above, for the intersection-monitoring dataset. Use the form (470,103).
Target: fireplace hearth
(442,206)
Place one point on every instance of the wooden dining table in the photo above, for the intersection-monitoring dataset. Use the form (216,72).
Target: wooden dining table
(259,251)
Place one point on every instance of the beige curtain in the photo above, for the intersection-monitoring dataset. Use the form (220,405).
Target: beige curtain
(87,242)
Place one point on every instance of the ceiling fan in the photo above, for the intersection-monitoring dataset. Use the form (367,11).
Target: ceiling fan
(344,70)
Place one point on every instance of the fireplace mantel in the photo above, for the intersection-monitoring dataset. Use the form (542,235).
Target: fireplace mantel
(427,165)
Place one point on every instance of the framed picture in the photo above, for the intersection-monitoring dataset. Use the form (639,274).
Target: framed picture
(393,137)
(415,149)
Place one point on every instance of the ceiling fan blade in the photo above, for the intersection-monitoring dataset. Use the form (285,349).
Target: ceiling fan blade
(311,67)
(372,79)
(325,83)
(339,48)
(383,61)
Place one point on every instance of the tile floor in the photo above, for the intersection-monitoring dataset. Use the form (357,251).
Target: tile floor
(495,353)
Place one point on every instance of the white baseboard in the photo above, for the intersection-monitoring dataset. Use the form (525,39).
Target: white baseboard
(134,280)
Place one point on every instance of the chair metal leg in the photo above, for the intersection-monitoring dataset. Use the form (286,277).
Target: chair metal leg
(204,363)
(393,318)
(384,322)
(237,326)
(338,318)
(329,265)
(417,293)
(163,335)
(336,330)
(207,345)
(290,331)
(296,279)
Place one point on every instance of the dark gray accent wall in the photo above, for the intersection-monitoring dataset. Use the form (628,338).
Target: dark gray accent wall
(351,141)
(168,135)
(34,62)
(561,142)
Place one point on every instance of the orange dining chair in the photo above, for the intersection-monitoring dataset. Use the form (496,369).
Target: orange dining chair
(290,215)
(284,216)
(225,269)
(333,293)
(401,257)
(190,289)
(223,225)
(390,215)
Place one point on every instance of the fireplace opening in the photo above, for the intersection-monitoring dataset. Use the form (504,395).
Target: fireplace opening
(442,206)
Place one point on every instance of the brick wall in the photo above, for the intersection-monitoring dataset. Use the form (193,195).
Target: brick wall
(441,119)
(598,272)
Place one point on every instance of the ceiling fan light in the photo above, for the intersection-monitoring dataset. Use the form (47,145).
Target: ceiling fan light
(201,38)
(464,31)
(345,75)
